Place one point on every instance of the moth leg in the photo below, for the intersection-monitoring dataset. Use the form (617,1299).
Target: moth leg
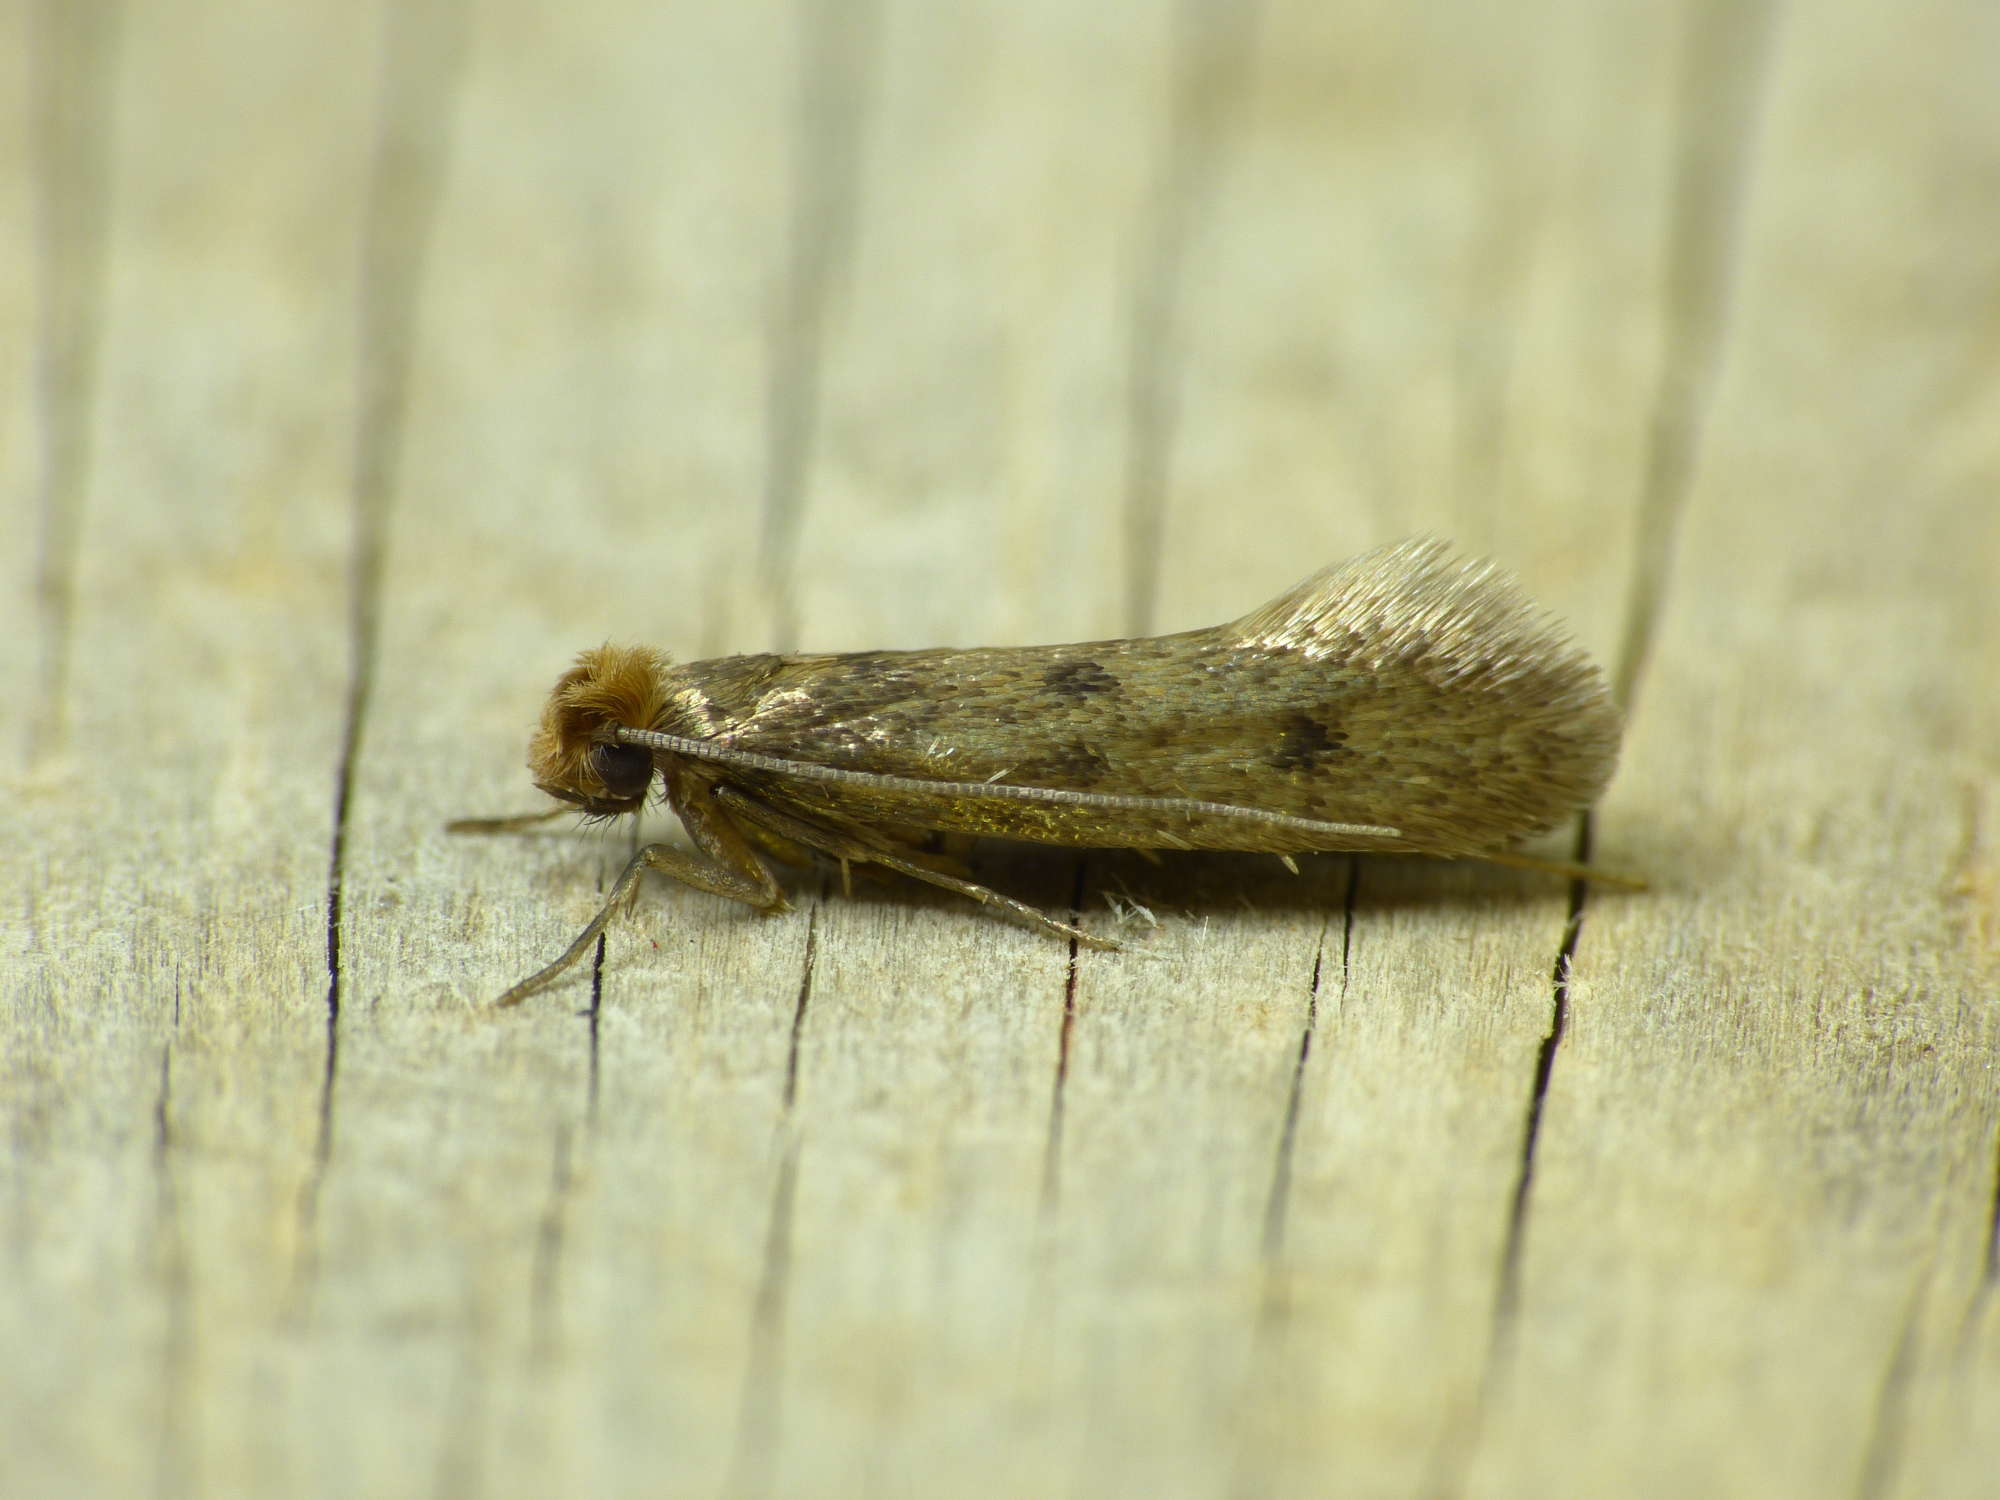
(785,851)
(929,851)
(513,824)
(845,847)
(731,868)
(948,852)
(750,883)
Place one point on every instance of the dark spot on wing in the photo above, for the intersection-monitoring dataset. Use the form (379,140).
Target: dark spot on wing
(1305,742)
(1079,679)
(1074,765)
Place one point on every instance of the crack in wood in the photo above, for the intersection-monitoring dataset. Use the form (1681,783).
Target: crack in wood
(171,1456)
(793,1042)
(1212,46)
(1277,1201)
(75,51)
(420,52)
(1052,1140)
(759,1426)
(837,64)
(1882,1448)
(1729,70)
(544,1299)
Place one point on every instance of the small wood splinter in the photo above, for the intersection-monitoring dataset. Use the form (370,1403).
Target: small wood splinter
(1405,702)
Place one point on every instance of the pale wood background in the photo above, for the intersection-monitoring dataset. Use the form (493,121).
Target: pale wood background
(361,362)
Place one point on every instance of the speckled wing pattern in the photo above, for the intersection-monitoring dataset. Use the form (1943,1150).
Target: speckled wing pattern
(1407,687)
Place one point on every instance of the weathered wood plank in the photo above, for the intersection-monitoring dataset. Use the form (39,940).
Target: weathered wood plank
(1796,1036)
(381,360)
(169,831)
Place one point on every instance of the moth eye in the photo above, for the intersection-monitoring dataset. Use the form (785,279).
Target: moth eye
(625,770)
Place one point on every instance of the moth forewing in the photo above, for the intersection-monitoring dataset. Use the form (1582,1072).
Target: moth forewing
(1489,725)
(1405,701)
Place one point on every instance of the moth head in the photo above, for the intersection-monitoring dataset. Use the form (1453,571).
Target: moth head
(575,755)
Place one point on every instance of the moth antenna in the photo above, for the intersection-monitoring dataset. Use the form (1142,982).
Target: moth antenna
(721,754)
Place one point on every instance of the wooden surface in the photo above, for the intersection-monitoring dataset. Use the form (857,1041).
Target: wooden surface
(361,363)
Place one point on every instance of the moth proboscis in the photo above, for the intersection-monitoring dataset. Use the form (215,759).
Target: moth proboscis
(1406,701)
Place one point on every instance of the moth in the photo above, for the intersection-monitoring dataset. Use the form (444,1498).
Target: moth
(1408,701)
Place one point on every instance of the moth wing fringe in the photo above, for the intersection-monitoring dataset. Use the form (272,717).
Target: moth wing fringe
(1466,620)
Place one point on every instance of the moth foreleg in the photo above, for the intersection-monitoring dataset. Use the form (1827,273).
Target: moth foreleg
(845,846)
(1020,911)
(514,824)
(726,867)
